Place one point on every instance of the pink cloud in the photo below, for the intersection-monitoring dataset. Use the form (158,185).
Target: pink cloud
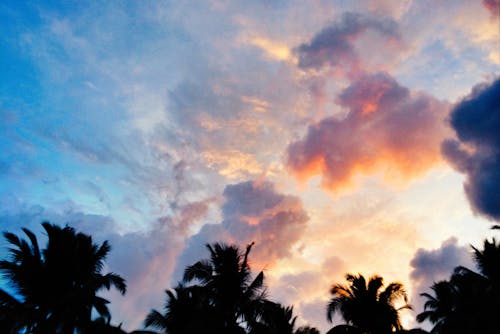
(387,129)
(493,6)
(254,211)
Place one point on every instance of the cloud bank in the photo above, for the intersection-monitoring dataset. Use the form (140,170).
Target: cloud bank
(476,151)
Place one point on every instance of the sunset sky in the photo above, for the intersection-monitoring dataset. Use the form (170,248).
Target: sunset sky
(340,136)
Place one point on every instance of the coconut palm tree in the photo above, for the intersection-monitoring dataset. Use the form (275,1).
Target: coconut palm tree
(469,301)
(307,330)
(365,306)
(439,308)
(231,290)
(274,318)
(488,261)
(56,288)
(187,310)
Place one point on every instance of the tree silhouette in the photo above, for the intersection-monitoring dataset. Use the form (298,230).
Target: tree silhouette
(275,318)
(55,289)
(234,295)
(182,306)
(439,309)
(469,302)
(366,307)
(306,330)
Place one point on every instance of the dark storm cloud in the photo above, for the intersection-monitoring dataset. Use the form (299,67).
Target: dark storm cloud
(476,151)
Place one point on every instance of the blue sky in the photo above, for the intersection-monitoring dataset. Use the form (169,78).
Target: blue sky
(162,126)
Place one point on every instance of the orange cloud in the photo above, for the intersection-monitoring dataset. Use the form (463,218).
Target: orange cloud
(273,49)
(388,130)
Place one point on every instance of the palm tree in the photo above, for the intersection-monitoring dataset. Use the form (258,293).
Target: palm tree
(274,318)
(57,286)
(306,330)
(439,308)
(488,261)
(231,290)
(364,306)
(469,301)
(183,305)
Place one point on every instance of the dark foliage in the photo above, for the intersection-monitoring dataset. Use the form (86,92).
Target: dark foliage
(365,306)
(55,288)
(469,301)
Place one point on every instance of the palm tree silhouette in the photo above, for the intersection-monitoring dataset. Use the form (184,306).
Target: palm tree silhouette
(274,318)
(183,305)
(366,307)
(488,261)
(306,330)
(439,308)
(231,290)
(469,301)
(55,289)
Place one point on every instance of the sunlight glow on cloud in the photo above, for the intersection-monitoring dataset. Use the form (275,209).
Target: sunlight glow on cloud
(232,164)
(272,49)
(387,129)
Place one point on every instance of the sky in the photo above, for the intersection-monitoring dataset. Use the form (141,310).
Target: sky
(339,136)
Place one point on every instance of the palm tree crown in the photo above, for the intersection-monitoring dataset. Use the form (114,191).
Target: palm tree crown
(469,301)
(58,285)
(365,306)
(231,289)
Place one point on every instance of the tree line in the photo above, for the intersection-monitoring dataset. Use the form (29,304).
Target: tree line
(55,290)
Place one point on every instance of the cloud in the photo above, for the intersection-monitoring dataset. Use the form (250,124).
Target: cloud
(476,151)
(272,49)
(493,6)
(387,129)
(253,211)
(429,266)
(335,45)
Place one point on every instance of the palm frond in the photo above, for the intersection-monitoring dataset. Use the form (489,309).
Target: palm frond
(34,242)
(112,279)
(156,320)
(6,300)
(12,239)
(100,305)
(393,292)
(332,308)
(201,270)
